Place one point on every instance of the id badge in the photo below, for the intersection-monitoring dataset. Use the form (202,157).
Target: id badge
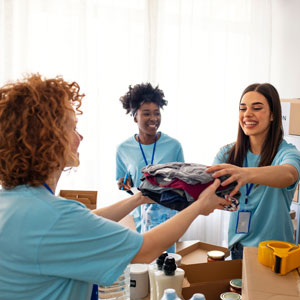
(243,221)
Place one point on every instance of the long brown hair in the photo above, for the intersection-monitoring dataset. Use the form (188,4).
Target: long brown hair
(274,137)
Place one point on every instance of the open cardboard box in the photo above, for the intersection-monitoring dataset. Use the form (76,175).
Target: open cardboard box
(211,279)
(260,282)
(89,198)
(291,115)
(197,253)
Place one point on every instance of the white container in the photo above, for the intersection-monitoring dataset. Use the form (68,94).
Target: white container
(153,268)
(177,258)
(169,277)
(198,296)
(139,281)
(119,290)
(170,294)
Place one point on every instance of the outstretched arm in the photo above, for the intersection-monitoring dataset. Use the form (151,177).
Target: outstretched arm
(279,176)
(164,235)
(119,210)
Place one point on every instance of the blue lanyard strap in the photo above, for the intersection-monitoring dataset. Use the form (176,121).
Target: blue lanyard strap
(248,187)
(153,152)
(48,188)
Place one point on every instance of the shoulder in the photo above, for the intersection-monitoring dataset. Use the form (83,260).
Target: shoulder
(129,142)
(223,150)
(168,139)
(287,154)
(222,154)
(287,148)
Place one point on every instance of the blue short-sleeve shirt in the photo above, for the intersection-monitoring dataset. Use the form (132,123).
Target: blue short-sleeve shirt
(53,248)
(269,206)
(129,159)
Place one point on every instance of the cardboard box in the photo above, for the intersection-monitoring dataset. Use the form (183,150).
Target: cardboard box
(197,253)
(89,198)
(291,116)
(296,195)
(260,282)
(211,279)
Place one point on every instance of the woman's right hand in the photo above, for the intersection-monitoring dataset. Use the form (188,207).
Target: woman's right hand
(127,186)
(208,201)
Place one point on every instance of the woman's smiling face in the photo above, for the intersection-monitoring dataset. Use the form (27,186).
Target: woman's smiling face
(148,118)
(255,115)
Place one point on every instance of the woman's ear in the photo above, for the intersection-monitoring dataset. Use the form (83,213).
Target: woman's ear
(271,118)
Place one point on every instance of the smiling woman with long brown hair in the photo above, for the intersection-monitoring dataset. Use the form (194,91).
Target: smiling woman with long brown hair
(266,168)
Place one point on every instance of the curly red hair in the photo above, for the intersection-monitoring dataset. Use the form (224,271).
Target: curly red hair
(34,140)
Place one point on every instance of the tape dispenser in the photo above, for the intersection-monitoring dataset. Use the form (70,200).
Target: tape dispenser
(282,257)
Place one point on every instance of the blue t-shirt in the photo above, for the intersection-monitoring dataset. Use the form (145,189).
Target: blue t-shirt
(129,158)
(53,248)
(269,206)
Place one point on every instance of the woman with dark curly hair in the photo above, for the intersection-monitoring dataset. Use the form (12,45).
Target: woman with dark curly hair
(51,247)
(149,146)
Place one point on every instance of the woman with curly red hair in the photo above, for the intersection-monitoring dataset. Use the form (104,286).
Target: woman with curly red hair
(51,247)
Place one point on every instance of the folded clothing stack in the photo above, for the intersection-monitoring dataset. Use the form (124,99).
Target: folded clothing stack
(176,185)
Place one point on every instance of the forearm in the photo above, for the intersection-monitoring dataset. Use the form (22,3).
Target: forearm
(163,236)
(119,210)
(275,176)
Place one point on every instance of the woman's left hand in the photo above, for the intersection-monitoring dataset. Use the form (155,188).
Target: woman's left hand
(143,199)
(235,173)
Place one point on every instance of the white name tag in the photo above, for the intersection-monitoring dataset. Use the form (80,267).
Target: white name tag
(243,221)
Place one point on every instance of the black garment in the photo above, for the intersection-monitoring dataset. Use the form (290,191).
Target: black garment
(162,186)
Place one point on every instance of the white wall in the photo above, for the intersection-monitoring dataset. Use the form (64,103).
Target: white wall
(285,54)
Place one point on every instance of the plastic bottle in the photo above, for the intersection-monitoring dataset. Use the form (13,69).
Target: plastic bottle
(119,290)
(198,296)
(157,265)
(169,277)
(153,215)
(170,294)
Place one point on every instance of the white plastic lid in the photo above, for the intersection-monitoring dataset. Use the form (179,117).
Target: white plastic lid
(230,296)
(216,254)
(170,294)
(198,296)
(138,268)
(177,258)
(236,283)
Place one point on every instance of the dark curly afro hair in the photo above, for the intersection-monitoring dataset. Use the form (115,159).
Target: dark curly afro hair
(140,94)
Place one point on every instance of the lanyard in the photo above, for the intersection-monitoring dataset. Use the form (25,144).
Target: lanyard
(248,187)
(48,188)
(153,152)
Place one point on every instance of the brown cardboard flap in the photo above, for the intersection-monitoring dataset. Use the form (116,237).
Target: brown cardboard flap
(294,118)
(213,271)
(292,100)
(260,282)
(211,279)
(294,115)
(89,198)
(85,201)
(197,253)
(211,290)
